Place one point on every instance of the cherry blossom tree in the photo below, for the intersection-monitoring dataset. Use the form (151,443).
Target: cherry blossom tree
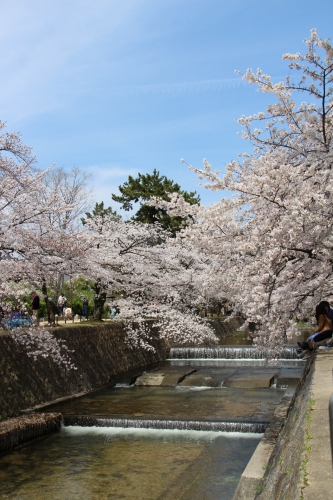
(32,246)
(75,197)
(271,244)
(39,239)
(159,277)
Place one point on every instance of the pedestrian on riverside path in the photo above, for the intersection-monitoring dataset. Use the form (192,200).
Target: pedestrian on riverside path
(85,308)
(60,304)
(35,307)
(64,305)
(113,312)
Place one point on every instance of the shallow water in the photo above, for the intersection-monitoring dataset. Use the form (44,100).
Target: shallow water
(176,403)
(87,462)
(102,463)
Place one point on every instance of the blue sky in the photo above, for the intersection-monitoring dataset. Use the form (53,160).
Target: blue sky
(121,87)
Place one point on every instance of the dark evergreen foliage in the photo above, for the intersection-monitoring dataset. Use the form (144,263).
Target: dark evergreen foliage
(142,189)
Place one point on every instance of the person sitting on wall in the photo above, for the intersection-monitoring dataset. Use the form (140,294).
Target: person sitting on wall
(314,340)
(323,331)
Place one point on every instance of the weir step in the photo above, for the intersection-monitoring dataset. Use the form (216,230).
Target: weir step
(191,425)
(231,353)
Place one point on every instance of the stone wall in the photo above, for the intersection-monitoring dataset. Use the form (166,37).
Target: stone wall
(283,478)
(99,353)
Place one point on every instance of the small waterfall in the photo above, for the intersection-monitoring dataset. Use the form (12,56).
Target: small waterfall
(219,352)
(189,425)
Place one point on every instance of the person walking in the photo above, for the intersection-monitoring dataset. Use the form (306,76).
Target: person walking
(113,312)
(85,308)
(64,304)
(60,304)
(35,304)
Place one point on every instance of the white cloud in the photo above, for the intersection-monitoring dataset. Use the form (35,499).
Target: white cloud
(106,179)
(106,172)
(167,88)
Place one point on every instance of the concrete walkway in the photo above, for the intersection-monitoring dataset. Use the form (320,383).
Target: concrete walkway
(76,319)
(319,466)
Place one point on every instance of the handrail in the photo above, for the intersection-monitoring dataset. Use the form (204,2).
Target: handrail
(330,409)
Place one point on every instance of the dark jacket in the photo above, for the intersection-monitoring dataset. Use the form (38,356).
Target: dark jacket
(35,303)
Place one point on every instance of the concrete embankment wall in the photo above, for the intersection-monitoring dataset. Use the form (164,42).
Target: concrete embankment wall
(99,353)
(277,468)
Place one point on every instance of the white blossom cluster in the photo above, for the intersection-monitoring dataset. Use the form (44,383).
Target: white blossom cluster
(39,342)
(33,246)
(161,278)
(271,245)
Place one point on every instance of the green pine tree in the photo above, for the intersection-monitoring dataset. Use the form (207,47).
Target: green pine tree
(144,187)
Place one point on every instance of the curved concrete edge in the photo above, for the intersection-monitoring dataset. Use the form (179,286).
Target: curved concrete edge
(249,483)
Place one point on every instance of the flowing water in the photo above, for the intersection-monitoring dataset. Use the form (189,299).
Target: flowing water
(101,463)
(183,430)
(240,352)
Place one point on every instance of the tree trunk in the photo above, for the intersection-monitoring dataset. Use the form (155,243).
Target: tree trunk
(60,284)
(99,300)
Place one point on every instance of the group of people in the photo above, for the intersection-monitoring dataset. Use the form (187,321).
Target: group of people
(226,309)
(66,311)
(323,334)
(18,316)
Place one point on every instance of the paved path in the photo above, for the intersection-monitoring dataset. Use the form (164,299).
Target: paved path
(319,467)
(70,321)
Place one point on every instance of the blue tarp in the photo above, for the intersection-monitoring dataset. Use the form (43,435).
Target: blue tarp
(17,323)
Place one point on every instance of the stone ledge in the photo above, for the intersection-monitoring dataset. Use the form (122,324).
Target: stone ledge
(255,469)
(274,469)
(23,429)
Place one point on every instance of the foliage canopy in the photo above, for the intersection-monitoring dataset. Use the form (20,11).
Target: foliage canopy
(146,186)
